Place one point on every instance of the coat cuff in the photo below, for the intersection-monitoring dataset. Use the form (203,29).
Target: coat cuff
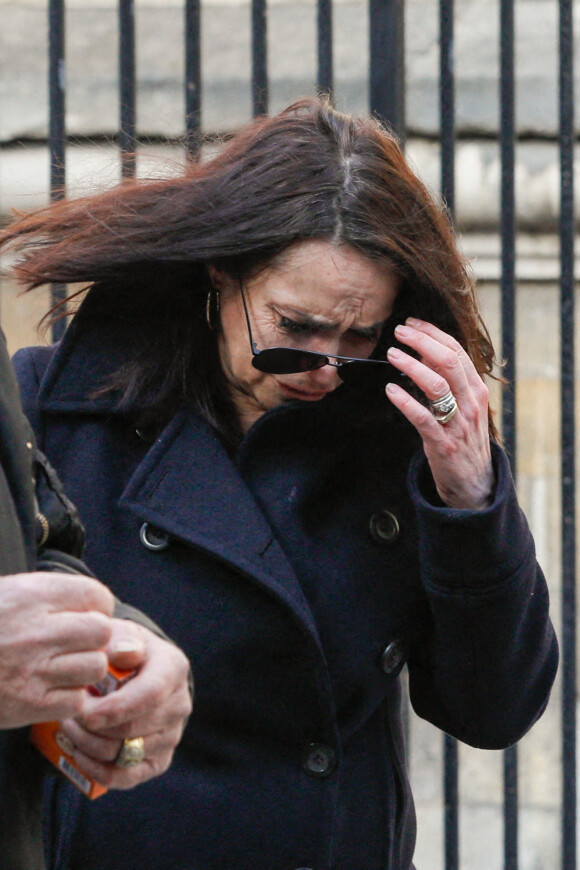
(469,549)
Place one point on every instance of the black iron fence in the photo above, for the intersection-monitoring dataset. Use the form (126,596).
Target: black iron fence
(386,88)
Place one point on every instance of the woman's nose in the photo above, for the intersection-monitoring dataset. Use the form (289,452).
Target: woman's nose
(325,378)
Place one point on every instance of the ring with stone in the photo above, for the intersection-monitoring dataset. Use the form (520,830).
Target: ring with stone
(445,408)
(132,752)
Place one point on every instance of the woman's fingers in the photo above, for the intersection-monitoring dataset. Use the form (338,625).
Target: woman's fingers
(434,338)
(439,369)
(457,448)
(416,413)
(431,382)
(444,366)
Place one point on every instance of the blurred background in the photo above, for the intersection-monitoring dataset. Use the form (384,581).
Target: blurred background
(483,93)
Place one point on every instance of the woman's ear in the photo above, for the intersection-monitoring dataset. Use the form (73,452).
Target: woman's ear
(216,276)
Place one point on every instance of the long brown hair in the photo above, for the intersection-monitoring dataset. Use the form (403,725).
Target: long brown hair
(308,172)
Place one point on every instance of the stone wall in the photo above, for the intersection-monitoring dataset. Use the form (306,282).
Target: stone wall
(92,97)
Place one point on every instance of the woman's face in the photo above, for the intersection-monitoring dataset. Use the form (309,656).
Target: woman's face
(316,296)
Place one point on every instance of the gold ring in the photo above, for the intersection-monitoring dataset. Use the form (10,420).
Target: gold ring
(132,752)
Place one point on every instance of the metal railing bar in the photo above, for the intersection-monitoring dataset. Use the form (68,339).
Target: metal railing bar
(451,802)
(57,94)
(508,352)
(447,102)
(387,62)
(510,808)
(56,126)
(192,78)
(325,80)
(447,133)
(566,125)
(507,224)
(260,97)
(127,87)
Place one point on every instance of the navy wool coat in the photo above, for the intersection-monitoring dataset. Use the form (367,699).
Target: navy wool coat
(299,575)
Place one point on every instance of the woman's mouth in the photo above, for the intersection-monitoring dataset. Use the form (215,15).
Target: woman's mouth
(303,395)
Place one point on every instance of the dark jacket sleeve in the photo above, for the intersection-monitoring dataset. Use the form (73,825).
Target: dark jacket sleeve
(485,670)
(17,550)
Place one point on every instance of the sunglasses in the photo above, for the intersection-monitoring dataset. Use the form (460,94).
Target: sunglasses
(292,360)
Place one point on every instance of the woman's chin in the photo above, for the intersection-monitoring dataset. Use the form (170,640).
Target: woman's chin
(293,393)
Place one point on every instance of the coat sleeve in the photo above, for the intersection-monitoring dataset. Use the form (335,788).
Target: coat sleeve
(60,535)
(484,668)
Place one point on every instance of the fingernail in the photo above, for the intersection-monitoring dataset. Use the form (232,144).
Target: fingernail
(125,646)
(394,353)
(390,388)
(402,330)
(412,321)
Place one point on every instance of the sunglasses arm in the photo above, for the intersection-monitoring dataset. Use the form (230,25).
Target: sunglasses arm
(253,345)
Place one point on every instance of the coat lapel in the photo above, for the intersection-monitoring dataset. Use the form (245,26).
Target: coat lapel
(189,487)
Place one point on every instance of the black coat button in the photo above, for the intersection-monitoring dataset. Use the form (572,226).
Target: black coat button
(393,657)
(153,538)
(384,527)
(319,760)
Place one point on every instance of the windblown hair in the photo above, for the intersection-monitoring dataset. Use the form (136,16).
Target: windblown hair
(309,172)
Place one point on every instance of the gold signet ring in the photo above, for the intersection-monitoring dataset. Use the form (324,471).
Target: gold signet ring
(132,752)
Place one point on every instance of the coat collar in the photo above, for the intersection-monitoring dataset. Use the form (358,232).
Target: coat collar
(96,344)
(188,486)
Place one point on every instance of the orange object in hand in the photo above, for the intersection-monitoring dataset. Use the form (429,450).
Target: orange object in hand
(58,749)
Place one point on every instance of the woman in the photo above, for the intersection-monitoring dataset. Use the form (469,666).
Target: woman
(246,479)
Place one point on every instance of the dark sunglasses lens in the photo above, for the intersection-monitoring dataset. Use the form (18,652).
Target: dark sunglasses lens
(287,361)
(368,370)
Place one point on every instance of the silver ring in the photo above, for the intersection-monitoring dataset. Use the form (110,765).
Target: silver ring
(132,752)
(445,408)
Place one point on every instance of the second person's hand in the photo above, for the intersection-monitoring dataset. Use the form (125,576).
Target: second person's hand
(154,705)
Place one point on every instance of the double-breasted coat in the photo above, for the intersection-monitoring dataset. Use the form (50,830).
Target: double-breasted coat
(300,575)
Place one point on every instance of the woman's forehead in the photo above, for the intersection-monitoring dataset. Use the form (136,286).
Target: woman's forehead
(326,277)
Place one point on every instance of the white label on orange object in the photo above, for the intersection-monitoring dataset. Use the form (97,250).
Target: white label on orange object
(75,775)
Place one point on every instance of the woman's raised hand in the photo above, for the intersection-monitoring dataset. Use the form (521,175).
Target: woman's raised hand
(458,451)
